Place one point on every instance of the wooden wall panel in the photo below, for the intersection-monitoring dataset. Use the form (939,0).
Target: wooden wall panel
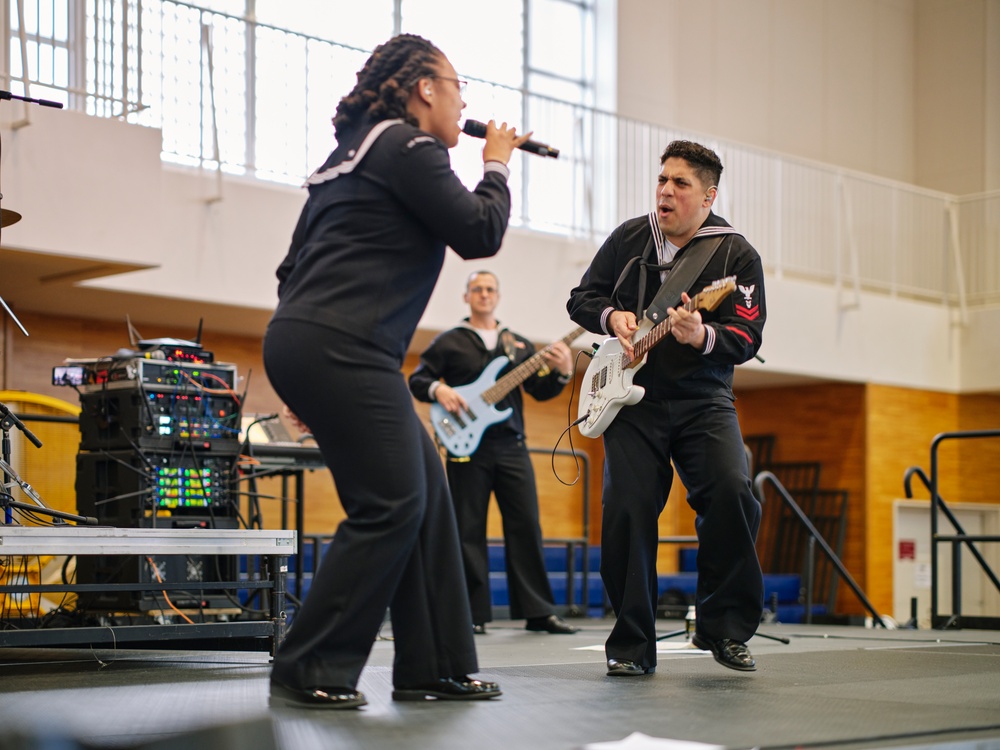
(906,422)
(979,459)
(901,424)
(28,363)
(562,506)
(824,423)
(865,437)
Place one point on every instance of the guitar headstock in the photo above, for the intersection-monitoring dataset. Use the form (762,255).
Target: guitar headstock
(712,295)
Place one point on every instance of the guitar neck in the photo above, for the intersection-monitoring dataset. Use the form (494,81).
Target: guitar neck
(657,333)
(525,370)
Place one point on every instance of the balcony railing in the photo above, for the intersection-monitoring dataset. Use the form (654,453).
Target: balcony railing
(239,97)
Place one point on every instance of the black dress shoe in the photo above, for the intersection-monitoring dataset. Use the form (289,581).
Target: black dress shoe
(550,624)
(627,668)
(479,628)
(727,652)
(327,698)
(449,689)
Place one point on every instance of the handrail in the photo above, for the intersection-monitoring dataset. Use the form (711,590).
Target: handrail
(956,594)
(758,485)
(585,474)
(920,228)
(583,540)
(585,529)
(987,569)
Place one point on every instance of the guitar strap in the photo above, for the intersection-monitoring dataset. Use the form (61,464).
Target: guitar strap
(509,343)
(681,274)
(642,273)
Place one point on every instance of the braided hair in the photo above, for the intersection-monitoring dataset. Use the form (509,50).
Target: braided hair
(383,87)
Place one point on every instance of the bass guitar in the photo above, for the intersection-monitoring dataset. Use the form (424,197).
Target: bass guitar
(607,384)
(461,433)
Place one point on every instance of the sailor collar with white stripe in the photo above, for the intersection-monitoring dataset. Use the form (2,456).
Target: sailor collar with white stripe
(489,336)
(663,245)
(354,157)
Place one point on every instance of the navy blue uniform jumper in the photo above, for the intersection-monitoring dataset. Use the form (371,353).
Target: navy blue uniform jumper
(685,420)
(500,465)
(364,258)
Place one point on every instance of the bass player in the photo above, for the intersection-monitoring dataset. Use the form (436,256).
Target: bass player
(500,464)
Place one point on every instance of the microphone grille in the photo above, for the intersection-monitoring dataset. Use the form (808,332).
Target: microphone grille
(474,128)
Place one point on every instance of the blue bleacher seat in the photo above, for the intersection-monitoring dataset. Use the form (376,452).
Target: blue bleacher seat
(687,559)
(786,587)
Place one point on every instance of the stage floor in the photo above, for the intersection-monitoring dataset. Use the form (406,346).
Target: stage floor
(845,687)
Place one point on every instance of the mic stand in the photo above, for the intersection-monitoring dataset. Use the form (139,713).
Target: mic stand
(8,420)
(687,632)
(13,316)
(7,96)
(689,625)
(44,102)
(2,302)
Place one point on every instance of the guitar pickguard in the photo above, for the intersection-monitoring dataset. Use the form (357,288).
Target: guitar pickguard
(607,387)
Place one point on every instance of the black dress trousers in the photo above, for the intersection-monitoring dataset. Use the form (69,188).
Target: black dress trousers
(398,547)
(501,464)
(703,438)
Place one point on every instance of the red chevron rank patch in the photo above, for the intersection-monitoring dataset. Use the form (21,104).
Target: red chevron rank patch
(748,313)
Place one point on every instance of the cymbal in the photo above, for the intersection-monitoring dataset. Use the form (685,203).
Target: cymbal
(9,217)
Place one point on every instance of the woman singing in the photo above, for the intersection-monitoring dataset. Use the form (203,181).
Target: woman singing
(363,261)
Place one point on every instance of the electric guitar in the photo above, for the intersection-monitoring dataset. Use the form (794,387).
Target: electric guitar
(461,433)
(607,384)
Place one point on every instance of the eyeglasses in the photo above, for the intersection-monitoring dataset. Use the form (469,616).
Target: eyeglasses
(457,81)
(483,290)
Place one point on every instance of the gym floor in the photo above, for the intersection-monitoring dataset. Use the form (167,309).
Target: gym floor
(829,686)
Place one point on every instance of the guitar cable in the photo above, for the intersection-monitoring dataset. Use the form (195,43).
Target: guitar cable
(571,425)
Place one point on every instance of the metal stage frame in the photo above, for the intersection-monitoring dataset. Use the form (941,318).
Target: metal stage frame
(272,546)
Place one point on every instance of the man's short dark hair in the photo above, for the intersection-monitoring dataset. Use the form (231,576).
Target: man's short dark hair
(704,161)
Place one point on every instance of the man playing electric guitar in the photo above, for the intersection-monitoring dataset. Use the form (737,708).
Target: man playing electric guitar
(500,464)
(685,418)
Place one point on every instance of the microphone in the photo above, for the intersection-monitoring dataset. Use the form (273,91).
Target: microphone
(478,130)
(44,102)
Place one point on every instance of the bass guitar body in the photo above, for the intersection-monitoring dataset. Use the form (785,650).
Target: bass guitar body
(461,433)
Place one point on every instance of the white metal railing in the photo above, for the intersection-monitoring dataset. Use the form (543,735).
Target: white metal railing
(979,237)
(185,70)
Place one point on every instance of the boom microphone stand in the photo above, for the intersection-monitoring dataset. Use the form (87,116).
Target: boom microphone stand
(44,102)
(11,312)
(12,217)
(8,420)
(7,218)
